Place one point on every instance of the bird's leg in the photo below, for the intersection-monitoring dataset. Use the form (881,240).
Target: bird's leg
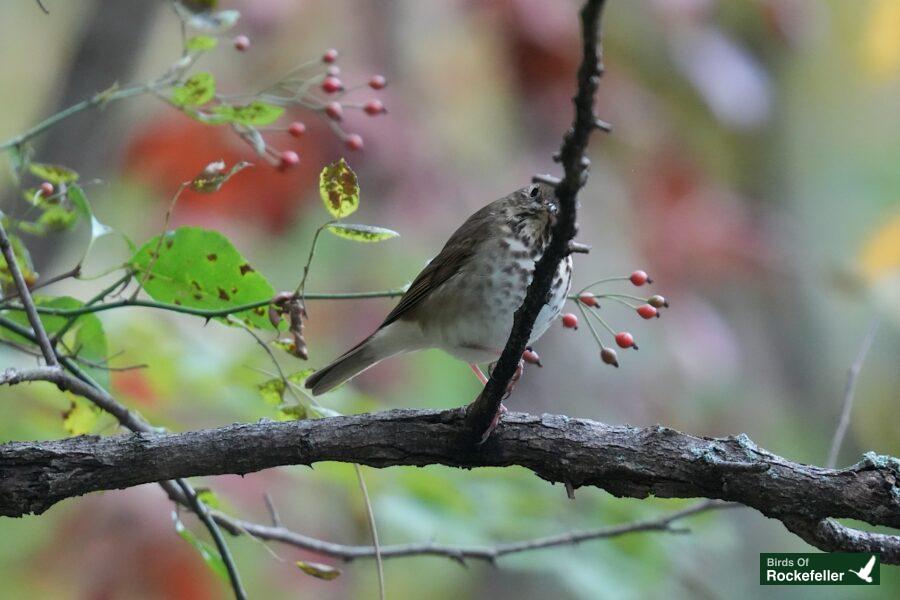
(479,373)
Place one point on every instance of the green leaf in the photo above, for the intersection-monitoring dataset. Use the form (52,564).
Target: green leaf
(86,338)
(257,113)
(209,498)
(293,412)
(82,416)
(55,174)
(300,376)
(210,555)
(201,269)
(196,91)
(339,189)
(272,391)
(23,259)
(201,43)
(362,233)
(319,570)
(214,176)
(18,161)
(56,218)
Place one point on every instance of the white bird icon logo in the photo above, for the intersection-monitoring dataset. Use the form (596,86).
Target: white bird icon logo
(865,572)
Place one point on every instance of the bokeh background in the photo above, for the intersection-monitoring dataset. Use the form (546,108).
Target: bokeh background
(754,171)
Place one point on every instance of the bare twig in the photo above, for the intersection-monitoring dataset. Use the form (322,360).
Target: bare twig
(849,389)
(27,303)
(82,384)
(462,553)
(370,514)
(202,511)
(482,411)
(73,272)
(43,8)
(154,256)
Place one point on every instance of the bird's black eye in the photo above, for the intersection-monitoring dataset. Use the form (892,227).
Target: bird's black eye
(534,191)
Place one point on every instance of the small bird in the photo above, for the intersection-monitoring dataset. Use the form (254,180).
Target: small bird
(463,301)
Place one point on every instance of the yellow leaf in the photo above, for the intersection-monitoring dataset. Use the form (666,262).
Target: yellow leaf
(339,189)
(318,570)
(880,254)
(82,416)
(881,40)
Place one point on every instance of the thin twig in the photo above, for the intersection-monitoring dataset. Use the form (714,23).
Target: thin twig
(82,384)
(98,298)
(301,287)
(154,256)
(43,8)
(462,553)
(849,389)
(379,567)
(273,512)
(27,303)
(91,102)
(73,272)
(202,511)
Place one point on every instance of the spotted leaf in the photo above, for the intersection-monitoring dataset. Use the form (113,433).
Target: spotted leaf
(339,189)
(199,268)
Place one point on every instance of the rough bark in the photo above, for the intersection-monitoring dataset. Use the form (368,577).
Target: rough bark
(624,460)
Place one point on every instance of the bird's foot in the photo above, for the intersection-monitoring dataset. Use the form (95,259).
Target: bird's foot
(520,368)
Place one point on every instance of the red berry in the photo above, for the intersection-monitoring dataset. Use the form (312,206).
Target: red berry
(646,311)
(377,82)
(330,56)
(289,158)
(333,70)
(374,107)
(354,141)
(588,299)
(624,339)
(570,321)
(331,85)
(334,110)
(241,43)
(46,189)
(608,355)
(658,301)
(296,129)
(531,357)
(640,278)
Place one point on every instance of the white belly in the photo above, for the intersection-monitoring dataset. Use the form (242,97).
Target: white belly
(475,329)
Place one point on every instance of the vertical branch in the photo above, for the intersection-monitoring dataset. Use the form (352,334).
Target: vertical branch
(27,302)
(575,165)
(849,389)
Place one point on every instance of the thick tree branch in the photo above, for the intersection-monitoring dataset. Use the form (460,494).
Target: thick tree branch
(624,460)
(482,411)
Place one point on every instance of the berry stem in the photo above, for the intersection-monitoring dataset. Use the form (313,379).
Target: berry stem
(611,331)
(605,280)
(590,325)
(619,298)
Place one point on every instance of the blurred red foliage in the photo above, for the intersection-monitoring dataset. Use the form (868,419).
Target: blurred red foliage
(172,148)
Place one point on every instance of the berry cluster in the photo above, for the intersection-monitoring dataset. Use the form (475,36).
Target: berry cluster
(323,93)
(589,305)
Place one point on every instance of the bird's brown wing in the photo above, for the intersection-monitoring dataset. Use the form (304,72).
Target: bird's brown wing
(455,254)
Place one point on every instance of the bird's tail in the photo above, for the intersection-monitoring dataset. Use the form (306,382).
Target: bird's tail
(382,344)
